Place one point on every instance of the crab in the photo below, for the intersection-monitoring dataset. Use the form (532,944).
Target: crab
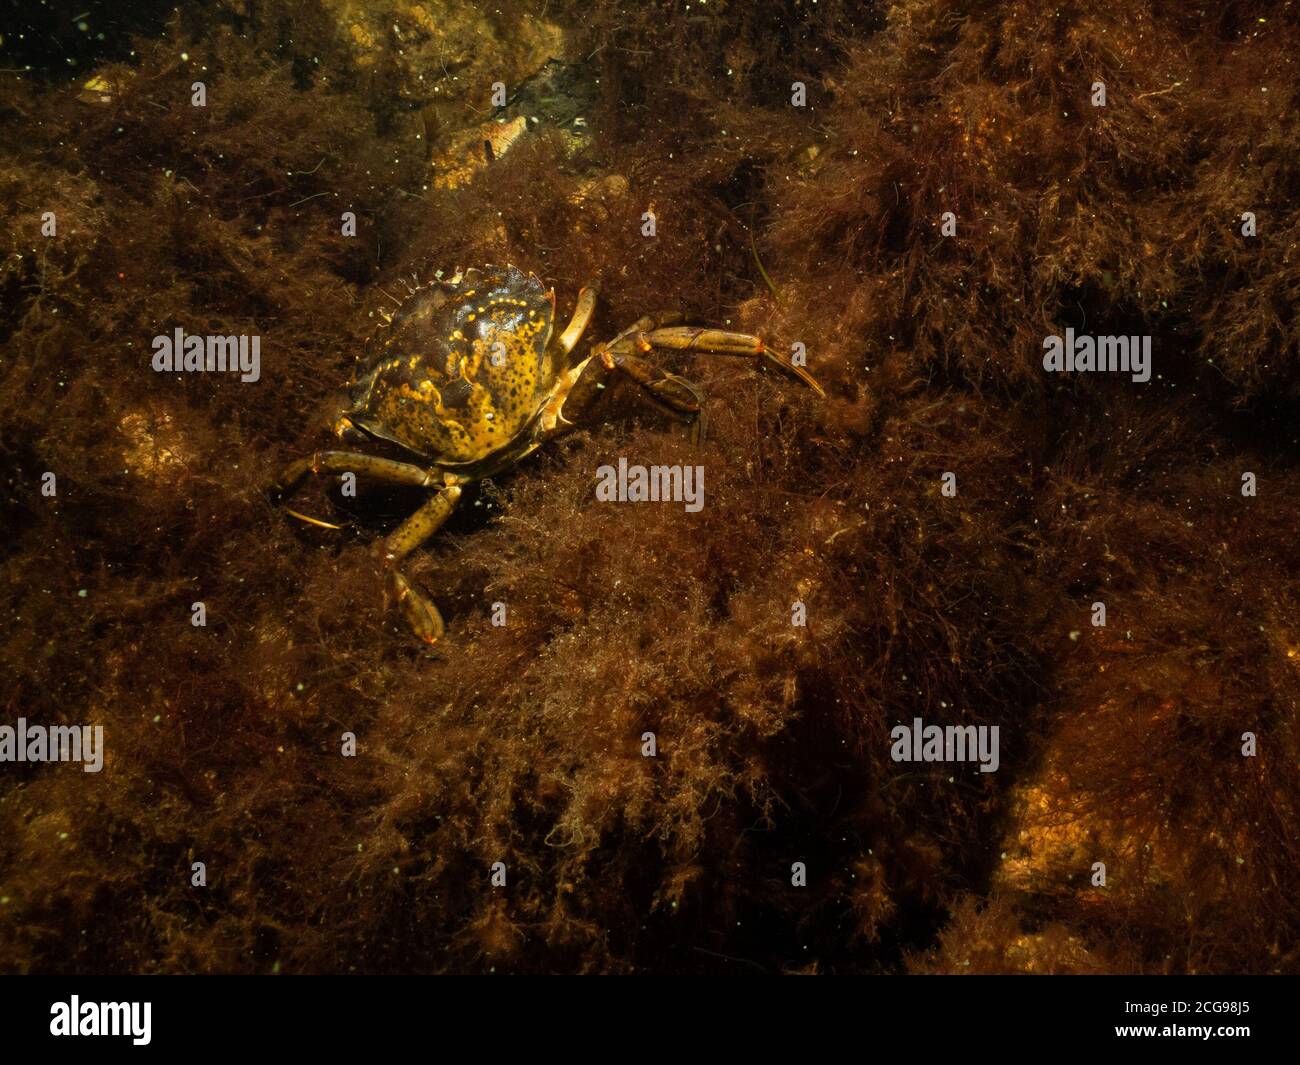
(467,377)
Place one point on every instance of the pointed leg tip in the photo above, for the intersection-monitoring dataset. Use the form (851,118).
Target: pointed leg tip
(811,382)
(421,615)
(308,519)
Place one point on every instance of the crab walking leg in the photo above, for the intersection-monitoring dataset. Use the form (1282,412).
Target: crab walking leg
(353,462)
(419,612)
(678,396)
(648,324)
(626,340)
(722,342)
(347,462)
(674,395)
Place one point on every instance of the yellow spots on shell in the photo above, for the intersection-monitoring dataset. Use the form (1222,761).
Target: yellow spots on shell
(474,431)
(422,396)
(481,383)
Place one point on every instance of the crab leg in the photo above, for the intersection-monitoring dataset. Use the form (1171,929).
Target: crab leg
(353,462)
(348,462)
(720,342)
(419,611)
(675,396)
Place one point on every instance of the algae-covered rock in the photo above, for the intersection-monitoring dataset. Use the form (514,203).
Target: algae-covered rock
(556,99)
(446,50)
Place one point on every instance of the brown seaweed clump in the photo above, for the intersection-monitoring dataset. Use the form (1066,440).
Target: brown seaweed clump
(525,744)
